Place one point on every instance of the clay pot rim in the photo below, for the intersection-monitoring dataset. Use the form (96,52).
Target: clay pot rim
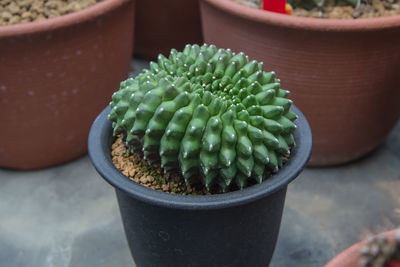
(99,143)
(312,24)
(70,19)
(352,253)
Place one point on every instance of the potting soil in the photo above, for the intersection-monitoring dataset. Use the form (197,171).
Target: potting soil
(133,166)
(335,9)
(23,11)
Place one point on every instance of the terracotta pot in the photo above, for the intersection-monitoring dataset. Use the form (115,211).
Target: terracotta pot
(162,25)
(56,75)
(351,256)
(342,73)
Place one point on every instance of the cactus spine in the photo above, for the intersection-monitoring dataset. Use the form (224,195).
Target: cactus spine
(207,111)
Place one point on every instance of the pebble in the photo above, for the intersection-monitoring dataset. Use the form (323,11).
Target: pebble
(22,11)
(165,187)
(143,180)
(132,172)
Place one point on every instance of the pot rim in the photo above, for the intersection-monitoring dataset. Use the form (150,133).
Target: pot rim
(99,153)
(296,22)
(66,20)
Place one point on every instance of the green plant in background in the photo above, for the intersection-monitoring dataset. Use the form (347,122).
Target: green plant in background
(380,252)
(207,111)
(310,4)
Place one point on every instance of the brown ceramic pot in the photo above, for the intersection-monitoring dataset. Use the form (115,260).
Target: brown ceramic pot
(344,74)
(351,256)
(56,75)
(165,24)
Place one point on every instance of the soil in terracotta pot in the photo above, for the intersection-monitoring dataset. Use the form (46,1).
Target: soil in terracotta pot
(23,11)
(133,166)
(334,9)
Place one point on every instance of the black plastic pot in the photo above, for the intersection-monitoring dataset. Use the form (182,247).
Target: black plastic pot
(233,229)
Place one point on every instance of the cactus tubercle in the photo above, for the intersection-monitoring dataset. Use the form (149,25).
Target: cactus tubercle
(207,113)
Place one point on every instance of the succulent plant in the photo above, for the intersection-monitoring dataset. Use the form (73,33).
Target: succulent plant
(309,4)
(207,113)
(380,252)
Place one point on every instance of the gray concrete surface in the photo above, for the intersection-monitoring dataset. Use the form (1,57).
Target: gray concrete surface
(68,216)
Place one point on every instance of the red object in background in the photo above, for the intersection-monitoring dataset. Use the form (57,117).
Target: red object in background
(393,264)
(275,6)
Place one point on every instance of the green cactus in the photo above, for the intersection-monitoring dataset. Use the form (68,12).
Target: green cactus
(207,111)
(380,252)
(310,4)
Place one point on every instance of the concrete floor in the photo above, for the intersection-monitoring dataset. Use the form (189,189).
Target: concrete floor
(68,216)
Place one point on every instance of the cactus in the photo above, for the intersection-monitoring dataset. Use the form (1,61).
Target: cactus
(309,4)
(379,252)
(207,113)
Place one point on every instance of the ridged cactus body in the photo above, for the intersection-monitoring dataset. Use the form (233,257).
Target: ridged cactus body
(207,112)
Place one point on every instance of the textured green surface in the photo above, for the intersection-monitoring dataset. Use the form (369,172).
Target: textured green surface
(310,4)
(207,111)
